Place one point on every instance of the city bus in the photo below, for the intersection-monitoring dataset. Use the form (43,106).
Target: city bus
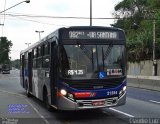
(77,68)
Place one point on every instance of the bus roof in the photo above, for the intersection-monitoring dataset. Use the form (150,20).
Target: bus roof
(56,32)
(93,27)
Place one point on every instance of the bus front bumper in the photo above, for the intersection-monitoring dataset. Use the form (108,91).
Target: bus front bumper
(67,104)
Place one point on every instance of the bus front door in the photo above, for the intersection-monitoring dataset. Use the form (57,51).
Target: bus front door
(53,72)
(30,70)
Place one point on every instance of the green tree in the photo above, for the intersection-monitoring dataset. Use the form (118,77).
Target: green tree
(139,41)
(5,46)
(16,63)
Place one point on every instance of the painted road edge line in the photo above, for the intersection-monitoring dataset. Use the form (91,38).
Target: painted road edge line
(154,101)
(129,115)
(37,112)
(28,102)
(19,95)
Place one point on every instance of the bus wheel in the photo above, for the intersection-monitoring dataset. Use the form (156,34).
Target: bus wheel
(27,90)
(46,101)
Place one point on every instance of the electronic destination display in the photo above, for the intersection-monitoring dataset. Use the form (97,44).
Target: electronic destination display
(93,34)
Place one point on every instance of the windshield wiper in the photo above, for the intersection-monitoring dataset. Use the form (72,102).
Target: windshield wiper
(106,54)
(88,54)
(108,51)
(103,57)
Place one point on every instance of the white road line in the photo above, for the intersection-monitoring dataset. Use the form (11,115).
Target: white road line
(19,95)
(129,115)
(154,101)
(38,112)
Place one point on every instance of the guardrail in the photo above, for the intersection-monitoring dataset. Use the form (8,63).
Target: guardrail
(145,82)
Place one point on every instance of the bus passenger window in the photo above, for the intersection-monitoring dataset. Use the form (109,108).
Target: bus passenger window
(42,50)
(46,62)
(46,49)
(34,63)
(39,62)
(35,53)
(39,52)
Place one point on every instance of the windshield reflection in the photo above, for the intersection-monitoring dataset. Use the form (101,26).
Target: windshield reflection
(92,61)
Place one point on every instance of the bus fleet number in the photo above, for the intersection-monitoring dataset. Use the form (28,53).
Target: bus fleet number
(110,93)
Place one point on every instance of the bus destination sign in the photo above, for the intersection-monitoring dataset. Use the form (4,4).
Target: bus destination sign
(93,35)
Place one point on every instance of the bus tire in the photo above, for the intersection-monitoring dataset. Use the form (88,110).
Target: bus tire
(27,90)
(45,100)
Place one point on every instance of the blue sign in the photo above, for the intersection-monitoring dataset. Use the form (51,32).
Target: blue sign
(101,74)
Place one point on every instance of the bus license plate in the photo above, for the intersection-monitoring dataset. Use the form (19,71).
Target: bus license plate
(98,103)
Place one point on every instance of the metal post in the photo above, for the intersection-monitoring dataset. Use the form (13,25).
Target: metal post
(39,32)
(154,59)
(39,35)
(27,1)
(28,44)
(90,12)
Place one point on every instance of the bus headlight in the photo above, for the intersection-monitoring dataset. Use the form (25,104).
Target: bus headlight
(124,88)
(63,92)
(122,91)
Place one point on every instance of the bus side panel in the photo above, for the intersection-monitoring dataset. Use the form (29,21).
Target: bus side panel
(35,83)
(40,74)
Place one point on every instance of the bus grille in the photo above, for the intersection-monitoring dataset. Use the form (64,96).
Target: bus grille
(88,103)
(93,85)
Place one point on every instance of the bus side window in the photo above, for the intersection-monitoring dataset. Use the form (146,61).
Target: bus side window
(35,57)
(48,48)
(35,53)
(25,60)
(42,54)
(45,49)
(42,50)
(46,56)
(39,57)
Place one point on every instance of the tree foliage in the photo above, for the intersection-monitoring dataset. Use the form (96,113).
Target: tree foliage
(5,46)
(16,63)
(139,41)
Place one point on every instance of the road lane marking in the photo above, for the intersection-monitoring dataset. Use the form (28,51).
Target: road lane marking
(19,95)
(4,77)
(129,115)
(154,101)
(37,112)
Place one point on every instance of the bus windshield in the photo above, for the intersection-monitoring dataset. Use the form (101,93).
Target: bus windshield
(92,61)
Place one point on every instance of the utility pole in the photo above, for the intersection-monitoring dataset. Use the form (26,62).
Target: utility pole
(90,12)
(39,32)
(2,28)
(28,44)
(26,1)
(154,51)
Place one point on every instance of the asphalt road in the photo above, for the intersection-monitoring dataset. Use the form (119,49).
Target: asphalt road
(15,107)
